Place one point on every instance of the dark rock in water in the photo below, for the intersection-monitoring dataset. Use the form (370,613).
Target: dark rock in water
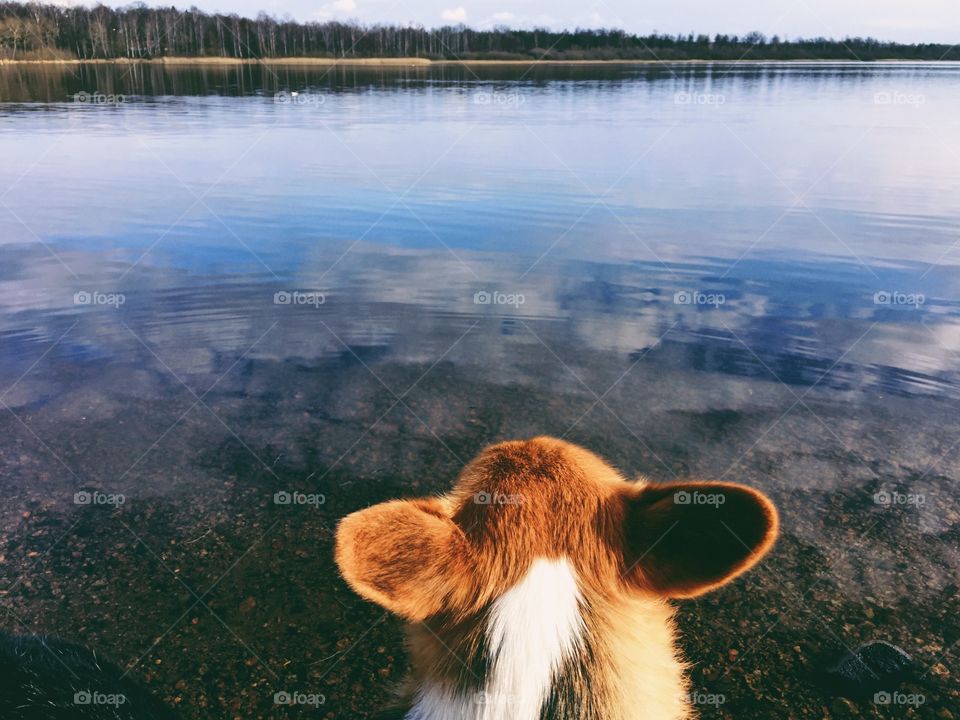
(872,667)
(43,678)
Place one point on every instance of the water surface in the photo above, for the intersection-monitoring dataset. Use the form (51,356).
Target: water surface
(221,283)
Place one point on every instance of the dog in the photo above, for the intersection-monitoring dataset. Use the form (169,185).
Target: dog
(539,587)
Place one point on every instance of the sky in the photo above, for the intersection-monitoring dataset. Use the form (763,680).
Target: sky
(901,20)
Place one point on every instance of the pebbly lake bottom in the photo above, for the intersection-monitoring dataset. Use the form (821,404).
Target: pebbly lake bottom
(217,596)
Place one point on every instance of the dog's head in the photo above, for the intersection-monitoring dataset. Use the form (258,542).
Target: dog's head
(545,498)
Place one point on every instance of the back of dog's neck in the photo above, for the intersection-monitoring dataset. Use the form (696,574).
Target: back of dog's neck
(548,649)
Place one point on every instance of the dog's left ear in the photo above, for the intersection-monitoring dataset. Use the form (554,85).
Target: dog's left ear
(406,555)
(684,539)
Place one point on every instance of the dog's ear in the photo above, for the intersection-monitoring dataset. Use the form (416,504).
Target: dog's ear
(684,539)
(406,555)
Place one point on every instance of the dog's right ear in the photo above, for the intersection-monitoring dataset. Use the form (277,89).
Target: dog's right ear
(406,555)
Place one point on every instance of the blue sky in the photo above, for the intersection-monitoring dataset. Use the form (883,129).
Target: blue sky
(904,20)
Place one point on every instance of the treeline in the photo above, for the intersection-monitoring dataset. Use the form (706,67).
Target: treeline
(35,31)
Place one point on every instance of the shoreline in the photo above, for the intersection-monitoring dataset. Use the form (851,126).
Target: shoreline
(426,62)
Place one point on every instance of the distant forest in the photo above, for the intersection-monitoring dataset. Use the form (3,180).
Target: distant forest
(35,31)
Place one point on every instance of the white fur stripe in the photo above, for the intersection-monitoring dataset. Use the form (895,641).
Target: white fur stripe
(531,630)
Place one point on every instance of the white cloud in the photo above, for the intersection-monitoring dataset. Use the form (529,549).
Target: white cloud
(458,14)
(334,9)
(503,16)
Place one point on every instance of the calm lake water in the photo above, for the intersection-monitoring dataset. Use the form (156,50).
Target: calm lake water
(221,283)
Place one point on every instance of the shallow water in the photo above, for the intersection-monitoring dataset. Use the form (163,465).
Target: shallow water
(214,289)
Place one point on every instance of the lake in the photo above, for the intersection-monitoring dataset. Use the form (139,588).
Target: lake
(222,283)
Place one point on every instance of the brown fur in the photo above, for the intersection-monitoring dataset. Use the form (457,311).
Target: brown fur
(440,563)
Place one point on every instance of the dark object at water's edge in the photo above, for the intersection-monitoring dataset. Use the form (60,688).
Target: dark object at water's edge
(871,667)
(44,678)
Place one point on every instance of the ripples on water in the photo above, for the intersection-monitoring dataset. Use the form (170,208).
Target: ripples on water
(796,193)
